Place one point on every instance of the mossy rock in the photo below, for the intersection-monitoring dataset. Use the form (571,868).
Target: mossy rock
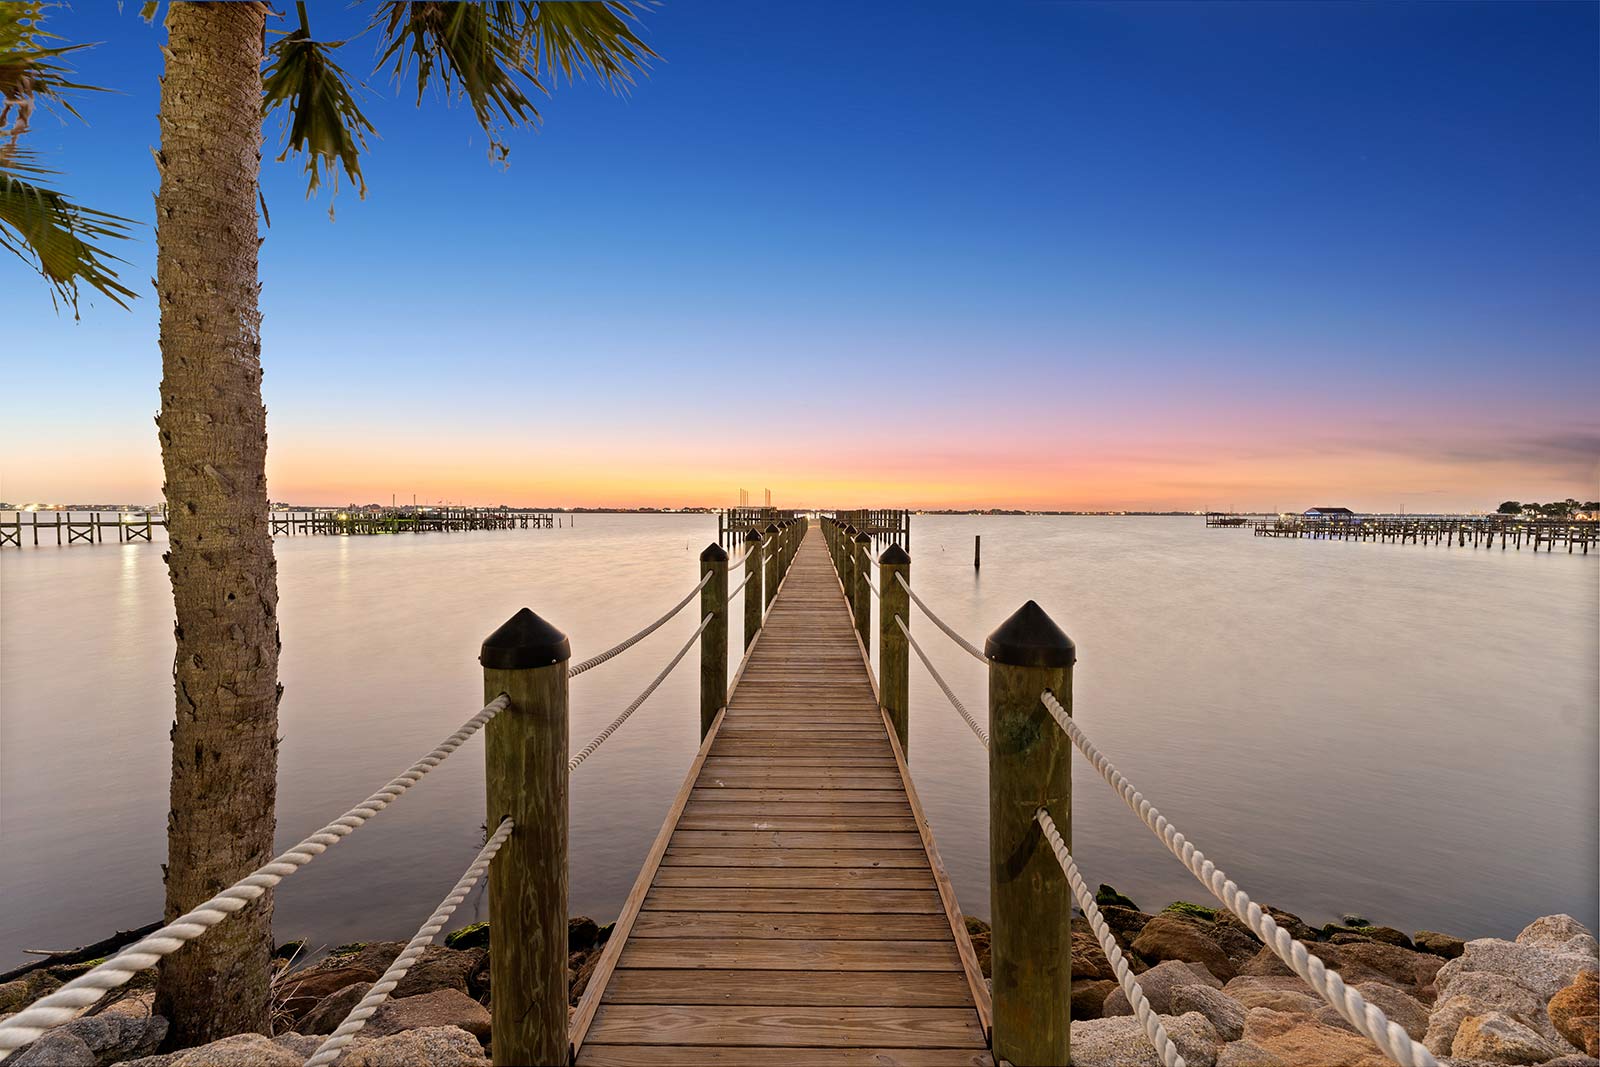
(975,925)
(1192,911)
(349,948)
(290,949)
(605,933)
(1106,896)
(473,935)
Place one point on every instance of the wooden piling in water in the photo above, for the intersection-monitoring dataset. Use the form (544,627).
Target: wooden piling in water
(894,653)
(714,640)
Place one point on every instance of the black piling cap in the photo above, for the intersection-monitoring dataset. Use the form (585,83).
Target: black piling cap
(1030,638)
(863,539)
(893,555)
(524,642)
(714,553)
(753,537)
(772,527)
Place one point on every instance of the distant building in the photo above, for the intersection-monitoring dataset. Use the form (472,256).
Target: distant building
(1336,514)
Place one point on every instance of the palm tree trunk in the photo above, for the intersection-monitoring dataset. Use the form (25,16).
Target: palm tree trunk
(213,449)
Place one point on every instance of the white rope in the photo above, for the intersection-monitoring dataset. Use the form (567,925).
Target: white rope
(1390,1037)
(954,700)
(1130,985)
(747,580)
(330,1049)
(69,1001)
(617,650)
(971,649)
(589,749)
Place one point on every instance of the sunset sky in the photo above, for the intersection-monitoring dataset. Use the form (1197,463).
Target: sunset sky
(1015,254)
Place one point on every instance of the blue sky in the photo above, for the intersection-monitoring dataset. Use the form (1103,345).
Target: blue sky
(1017,253)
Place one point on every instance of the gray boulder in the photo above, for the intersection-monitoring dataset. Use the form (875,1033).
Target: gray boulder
(1561,934)
(331,1009)
(1497,1036)
(108,1039)
(1158,984)
(442,1007)
(435,1046)
(1225,1013)
(1122,1042)
(1541,971)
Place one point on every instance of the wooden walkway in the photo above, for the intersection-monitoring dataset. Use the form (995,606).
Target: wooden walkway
(793,909)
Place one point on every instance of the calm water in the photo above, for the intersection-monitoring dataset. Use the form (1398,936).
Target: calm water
(1408,732)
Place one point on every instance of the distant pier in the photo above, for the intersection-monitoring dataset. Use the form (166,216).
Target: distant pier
(98,527)
(1451,531)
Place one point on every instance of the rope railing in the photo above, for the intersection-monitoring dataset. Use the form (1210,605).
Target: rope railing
(967,646)
(589,749)
(1108,944)
(379,992)
(1390,1037)
(623,646)
(937,677)
(70,1000)
(740,587)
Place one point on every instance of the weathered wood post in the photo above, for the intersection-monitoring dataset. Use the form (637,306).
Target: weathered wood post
(1030,761)
(894,654)
(525,772)
(977,551)
(752,592)
(863,575)
(770,554)
(714,641)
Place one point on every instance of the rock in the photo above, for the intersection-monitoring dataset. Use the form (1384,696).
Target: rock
(478,981)
(1498,1037)
(1106,896)
(1400,1006)
(1556,933)
(580,972)
(1298,928)
(1159,983)
(1234,938)
(19,993)
(1169,937)
(1438,944)
(56,1048)
(1297,1040)
(137,1006)
(1540,970)
(1089,998)
(435,1046)
(1575,1012)
(304,990)
(1246,1054)
(582,933)
(474,936)
(289,950)
(1089,959)
(1125,924)
(331,1010)
(240,1050)
(1190,911)
(1265,964)
(1277,993)
(1373,960)
(1385,935)
(1224,1013)
(1476,993)
(1122,1042)
(107,1039)
(438,968)
(442,1007)
(1349,919)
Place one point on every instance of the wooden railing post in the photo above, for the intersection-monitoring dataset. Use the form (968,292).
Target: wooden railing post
(525,772)
(714,641)
(894,654)
(1030,761)
(863,575)
(752,593)
(770,554)
(847,555)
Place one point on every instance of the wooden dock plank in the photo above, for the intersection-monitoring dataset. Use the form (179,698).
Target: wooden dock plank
(794,910)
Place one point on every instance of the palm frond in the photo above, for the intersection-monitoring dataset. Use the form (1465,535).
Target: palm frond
(57,237)
(488,52)
(323,120)
(60,239)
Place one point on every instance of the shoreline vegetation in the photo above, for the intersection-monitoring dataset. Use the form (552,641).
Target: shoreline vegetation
(1225,999)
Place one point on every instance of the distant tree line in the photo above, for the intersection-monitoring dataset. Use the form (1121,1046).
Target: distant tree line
(1560,509)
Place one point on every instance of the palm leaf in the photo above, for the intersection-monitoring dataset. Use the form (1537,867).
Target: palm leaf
(323,120)
(57,237)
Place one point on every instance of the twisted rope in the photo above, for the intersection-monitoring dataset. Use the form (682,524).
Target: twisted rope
(589,749)
(330,1049)
(67,1002)
(1390,1037)
(747,580)
(1130,985)
(954,700)
(618,649)
(970,649)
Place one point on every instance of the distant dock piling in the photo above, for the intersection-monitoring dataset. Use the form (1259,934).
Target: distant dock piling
(1450,531)
(95,527)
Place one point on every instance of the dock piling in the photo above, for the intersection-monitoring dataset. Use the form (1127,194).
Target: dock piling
(894,654)
(714,641)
